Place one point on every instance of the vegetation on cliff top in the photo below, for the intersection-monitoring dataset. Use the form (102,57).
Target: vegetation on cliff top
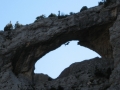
(9,26)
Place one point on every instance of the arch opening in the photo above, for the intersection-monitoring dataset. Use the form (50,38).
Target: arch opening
(57,60)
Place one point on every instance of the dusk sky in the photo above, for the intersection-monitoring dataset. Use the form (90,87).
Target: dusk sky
(26,11)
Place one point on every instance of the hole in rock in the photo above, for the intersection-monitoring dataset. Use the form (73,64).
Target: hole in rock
(57,60)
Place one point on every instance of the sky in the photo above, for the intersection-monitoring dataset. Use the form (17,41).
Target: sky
(26,11)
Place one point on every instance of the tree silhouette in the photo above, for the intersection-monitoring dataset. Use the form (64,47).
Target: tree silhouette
(100,3)
(71,13)
(83,8)
(40,17)
(18,25)
(8,27)
(52,15)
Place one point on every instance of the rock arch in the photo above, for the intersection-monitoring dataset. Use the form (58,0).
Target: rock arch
(54,62)
(26,45)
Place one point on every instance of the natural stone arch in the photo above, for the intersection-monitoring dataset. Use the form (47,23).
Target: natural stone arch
(89,40)
(91,33)
(32,53)
(21,48)
(54,62)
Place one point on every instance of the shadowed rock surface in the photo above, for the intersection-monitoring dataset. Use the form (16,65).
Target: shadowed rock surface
(90,74)
(96,28)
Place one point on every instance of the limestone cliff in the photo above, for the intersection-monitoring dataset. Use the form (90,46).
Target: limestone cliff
(97,28)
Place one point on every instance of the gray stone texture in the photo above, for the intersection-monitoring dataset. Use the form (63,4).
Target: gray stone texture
(97,28)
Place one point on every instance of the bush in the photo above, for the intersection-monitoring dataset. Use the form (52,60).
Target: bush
(40,17)
(60,16)
(8,27)
(18,25)
(100,3)
(83,8)
(71,13)
(52,15)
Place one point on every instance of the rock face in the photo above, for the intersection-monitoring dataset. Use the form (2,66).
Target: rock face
(87,75)
(96,28)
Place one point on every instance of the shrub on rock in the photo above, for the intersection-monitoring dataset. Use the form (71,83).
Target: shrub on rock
(52,15)
(83,8)
(8,27)
(18,25)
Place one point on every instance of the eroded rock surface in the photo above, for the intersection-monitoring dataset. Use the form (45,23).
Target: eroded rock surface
(96,28)
(87,75)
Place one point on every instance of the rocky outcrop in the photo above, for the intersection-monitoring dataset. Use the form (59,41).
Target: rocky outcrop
(87,75)
(96,28)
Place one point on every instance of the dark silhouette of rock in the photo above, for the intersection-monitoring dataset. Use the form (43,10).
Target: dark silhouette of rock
(97,28)
(90,74)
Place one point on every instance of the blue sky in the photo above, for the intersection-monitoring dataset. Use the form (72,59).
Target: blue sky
(25,11)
